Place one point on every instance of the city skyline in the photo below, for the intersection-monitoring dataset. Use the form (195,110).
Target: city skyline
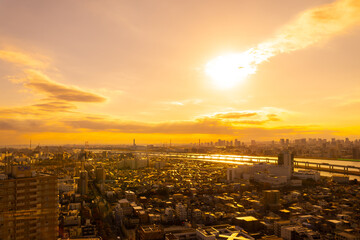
(108,73)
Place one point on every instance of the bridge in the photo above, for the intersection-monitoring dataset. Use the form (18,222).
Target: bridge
(241,160)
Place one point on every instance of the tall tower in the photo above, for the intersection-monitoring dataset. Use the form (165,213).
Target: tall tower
(134,144)
(83,182)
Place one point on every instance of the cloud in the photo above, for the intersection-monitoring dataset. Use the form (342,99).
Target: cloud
(284,131)
(273,117)
(251,122)
(41,83)
(310,27)
(44,108)
(219,123)
(22,59)
(235,115)
(185,102)
(54,106)
(200,126)
(30,125)
(315,25)
(205,126)
(177,103)
(95,124)
(257,117)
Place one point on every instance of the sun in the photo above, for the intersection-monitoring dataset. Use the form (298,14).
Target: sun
(228,70)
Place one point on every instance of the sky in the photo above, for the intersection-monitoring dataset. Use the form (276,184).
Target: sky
(110,71)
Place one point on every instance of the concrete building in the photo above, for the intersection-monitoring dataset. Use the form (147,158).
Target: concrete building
(181,212)
(298,232)
(83,182)
(221,232)
(340,178)
(130,196)
(307,174)
(346,236)
(275,175)
(100,175)
(28,205)
(248,223)
(150,232)
(271,198)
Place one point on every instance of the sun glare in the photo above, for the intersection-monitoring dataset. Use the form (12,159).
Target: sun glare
(228,70)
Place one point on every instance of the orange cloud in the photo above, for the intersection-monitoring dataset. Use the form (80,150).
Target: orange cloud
(315,25)
(31,125)
(220,123)
(235,115)
(310,27)
(258,117)
(41,83)
(44,108)
(22,59)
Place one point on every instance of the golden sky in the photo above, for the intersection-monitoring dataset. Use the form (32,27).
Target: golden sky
(110,71)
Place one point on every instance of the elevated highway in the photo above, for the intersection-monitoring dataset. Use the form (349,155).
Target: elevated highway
(241,160)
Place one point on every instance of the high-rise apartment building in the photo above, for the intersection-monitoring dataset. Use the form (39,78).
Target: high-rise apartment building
(100,174)
(83,182)
(28,205)
(181,211)
(286,159)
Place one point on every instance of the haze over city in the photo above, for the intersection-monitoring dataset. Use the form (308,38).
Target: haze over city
(180,120)
(75,71)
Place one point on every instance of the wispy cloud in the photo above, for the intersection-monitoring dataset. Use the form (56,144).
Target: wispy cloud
(219,123)
(41,83)
(177,103)
(310,27)
(203,126)
(31,126)
(235,115)
(315,25)
(250,117)
(37,80)
(184,102)
(43,108)
(22,59)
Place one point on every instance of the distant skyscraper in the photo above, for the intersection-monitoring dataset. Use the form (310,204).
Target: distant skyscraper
(28,205)
(134,144)
(83,182)
(100,174)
